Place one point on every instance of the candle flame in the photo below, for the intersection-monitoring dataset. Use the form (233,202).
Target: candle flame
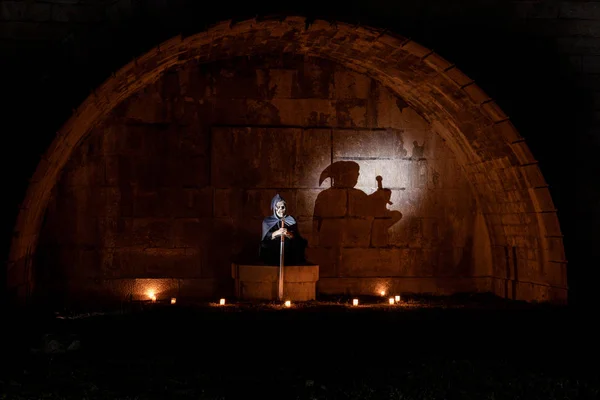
(288,303)
(173,300)
(355,302)
(397,298)
(383,292)
(391,300)
(222,302)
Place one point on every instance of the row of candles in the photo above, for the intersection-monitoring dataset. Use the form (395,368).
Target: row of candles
(391,300)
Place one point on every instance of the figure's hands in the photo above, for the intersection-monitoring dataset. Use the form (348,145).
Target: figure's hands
(282,231)
(278,232)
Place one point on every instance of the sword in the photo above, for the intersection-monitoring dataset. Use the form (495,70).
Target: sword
(281,262)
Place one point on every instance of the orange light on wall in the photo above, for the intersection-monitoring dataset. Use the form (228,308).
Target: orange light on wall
(391,300)
(173,300)
(355,302)
(288,303)
(222,302)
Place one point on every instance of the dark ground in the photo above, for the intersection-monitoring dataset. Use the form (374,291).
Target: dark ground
(426,348)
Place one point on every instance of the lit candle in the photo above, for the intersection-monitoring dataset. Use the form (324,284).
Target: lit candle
(153,299)
(397,298)
(288,303)
(383,292)
(173,300)
(222,302)
(355,302)
(391,300)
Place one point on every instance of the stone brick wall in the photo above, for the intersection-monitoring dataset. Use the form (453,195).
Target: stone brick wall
(176,182)
(537,59)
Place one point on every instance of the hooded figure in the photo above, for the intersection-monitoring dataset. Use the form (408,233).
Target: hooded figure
(294,244)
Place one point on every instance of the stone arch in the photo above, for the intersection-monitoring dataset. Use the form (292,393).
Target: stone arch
(509,187)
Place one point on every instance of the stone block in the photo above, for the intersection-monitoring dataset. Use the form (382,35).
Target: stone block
(373,262)
(390,109)
(89,172)
(228,202)
(494,111)
(192,203)
(331,232)
(350,85)
(261,282)
(394,173)
(312,156)
(117,262)
(305,203)
(235,81)
(550,224)
(351,113)
(157,261)
(523,153)
(192,232)
(437,62)
(411,202)
(331,203)
(309,112)
(146,204)
(281,82)
(153,232)
(194,139)
(251,157)
(542,200)
(475,93)
(554,248)
(146,107)
(357,232)
(315,79)
(246,241)
(507,130)
(418,174)
(105,201)
(358,144)
(458,77)
(328,259)
(220,252)
(308,230)
(381,235)
(444,174)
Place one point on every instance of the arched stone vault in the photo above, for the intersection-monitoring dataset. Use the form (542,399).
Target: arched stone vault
(505,178)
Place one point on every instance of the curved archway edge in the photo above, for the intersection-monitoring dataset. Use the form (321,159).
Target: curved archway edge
(505,177)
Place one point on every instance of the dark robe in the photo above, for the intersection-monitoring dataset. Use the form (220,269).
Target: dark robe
(270,247)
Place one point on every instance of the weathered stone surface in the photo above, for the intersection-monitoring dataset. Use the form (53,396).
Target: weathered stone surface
(176,182)
(313,155)
(261,282)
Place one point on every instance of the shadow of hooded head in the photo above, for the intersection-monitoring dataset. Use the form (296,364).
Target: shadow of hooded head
(343,174)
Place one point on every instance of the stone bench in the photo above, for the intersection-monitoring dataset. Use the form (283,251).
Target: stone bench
(260,282)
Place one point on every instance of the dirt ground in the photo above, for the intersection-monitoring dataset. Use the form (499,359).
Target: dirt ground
(460,347)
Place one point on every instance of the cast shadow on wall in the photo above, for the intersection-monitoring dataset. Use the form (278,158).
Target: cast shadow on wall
(345,216)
